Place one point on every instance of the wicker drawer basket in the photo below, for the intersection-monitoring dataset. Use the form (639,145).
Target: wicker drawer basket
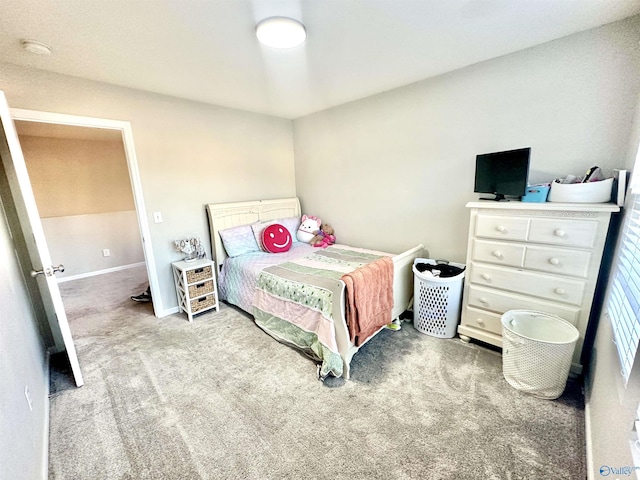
(199,274)
(200,288)
(202,303)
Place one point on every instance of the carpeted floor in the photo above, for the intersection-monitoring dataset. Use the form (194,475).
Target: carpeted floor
(219,399)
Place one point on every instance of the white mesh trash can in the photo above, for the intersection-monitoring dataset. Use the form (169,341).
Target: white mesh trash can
(437,292)
(537,349)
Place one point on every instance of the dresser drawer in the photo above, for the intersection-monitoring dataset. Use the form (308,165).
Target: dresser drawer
(506,228)
(528,283)
(561,231)
(511,254)
(499,302)
(558,260)
(488,321)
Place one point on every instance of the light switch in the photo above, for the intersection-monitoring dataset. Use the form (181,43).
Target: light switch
(157,217)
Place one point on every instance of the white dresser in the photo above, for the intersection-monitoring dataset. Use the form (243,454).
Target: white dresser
(533,256)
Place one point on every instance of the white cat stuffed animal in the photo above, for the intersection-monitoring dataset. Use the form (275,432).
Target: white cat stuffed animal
(308,227)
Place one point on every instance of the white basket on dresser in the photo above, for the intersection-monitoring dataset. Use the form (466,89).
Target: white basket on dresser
(536,256)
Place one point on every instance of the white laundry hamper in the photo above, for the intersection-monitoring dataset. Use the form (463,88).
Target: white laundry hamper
(436,300)
(537,349)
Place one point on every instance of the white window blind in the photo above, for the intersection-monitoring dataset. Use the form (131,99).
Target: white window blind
(623,302)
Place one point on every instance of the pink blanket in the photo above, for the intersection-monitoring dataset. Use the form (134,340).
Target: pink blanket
(369,299)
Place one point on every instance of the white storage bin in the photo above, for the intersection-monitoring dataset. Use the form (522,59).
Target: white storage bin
(537,349)
(590,192)
(437,300)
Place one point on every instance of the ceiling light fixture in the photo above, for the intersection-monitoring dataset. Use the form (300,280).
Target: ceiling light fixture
(38,48)
(281,32)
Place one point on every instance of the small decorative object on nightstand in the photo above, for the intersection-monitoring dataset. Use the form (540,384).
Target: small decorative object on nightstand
(195,286)
(191,247)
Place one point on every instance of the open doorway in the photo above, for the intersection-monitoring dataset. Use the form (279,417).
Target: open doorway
(82,188)
(29,123)
(84,196)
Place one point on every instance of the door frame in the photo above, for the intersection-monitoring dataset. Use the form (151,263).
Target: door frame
(134,175)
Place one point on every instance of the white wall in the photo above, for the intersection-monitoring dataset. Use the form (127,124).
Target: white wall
(78,240)
(189,154)
(611,405)
(396,169)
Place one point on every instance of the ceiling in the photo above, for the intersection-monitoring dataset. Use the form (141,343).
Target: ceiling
(207,51)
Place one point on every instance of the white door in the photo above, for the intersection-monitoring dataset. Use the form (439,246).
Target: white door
(42,267)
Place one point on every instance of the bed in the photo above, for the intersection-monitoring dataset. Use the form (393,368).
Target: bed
(242,274)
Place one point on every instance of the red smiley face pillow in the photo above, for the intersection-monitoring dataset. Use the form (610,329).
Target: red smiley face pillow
(276,238)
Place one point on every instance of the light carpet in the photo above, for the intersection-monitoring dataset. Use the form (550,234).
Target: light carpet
(220,399)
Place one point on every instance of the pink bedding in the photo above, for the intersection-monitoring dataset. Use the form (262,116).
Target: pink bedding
(369,298)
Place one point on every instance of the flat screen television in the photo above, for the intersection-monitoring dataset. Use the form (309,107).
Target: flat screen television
(503,174)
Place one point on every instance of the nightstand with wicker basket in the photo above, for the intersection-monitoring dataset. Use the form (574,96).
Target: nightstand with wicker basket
(195,286)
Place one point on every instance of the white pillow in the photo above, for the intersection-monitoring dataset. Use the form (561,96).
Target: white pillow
(239,240)
(291,223)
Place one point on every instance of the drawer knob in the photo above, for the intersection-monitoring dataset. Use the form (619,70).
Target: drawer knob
(559,291)
(483,300)
(480,321)
(486,276)
(497,254)
(559,233)
(554,261)
(501,229)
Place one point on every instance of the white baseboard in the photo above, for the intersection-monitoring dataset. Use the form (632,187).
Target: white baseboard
(47,422)
(587,428)
(100,272)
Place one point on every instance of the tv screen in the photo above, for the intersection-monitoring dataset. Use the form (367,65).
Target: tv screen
(503,173)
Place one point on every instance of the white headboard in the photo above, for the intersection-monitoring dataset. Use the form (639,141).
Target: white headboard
(227,215)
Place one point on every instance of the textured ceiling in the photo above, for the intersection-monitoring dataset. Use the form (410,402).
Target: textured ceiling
(207,51)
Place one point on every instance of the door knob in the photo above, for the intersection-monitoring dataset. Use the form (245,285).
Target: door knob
(49,271)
